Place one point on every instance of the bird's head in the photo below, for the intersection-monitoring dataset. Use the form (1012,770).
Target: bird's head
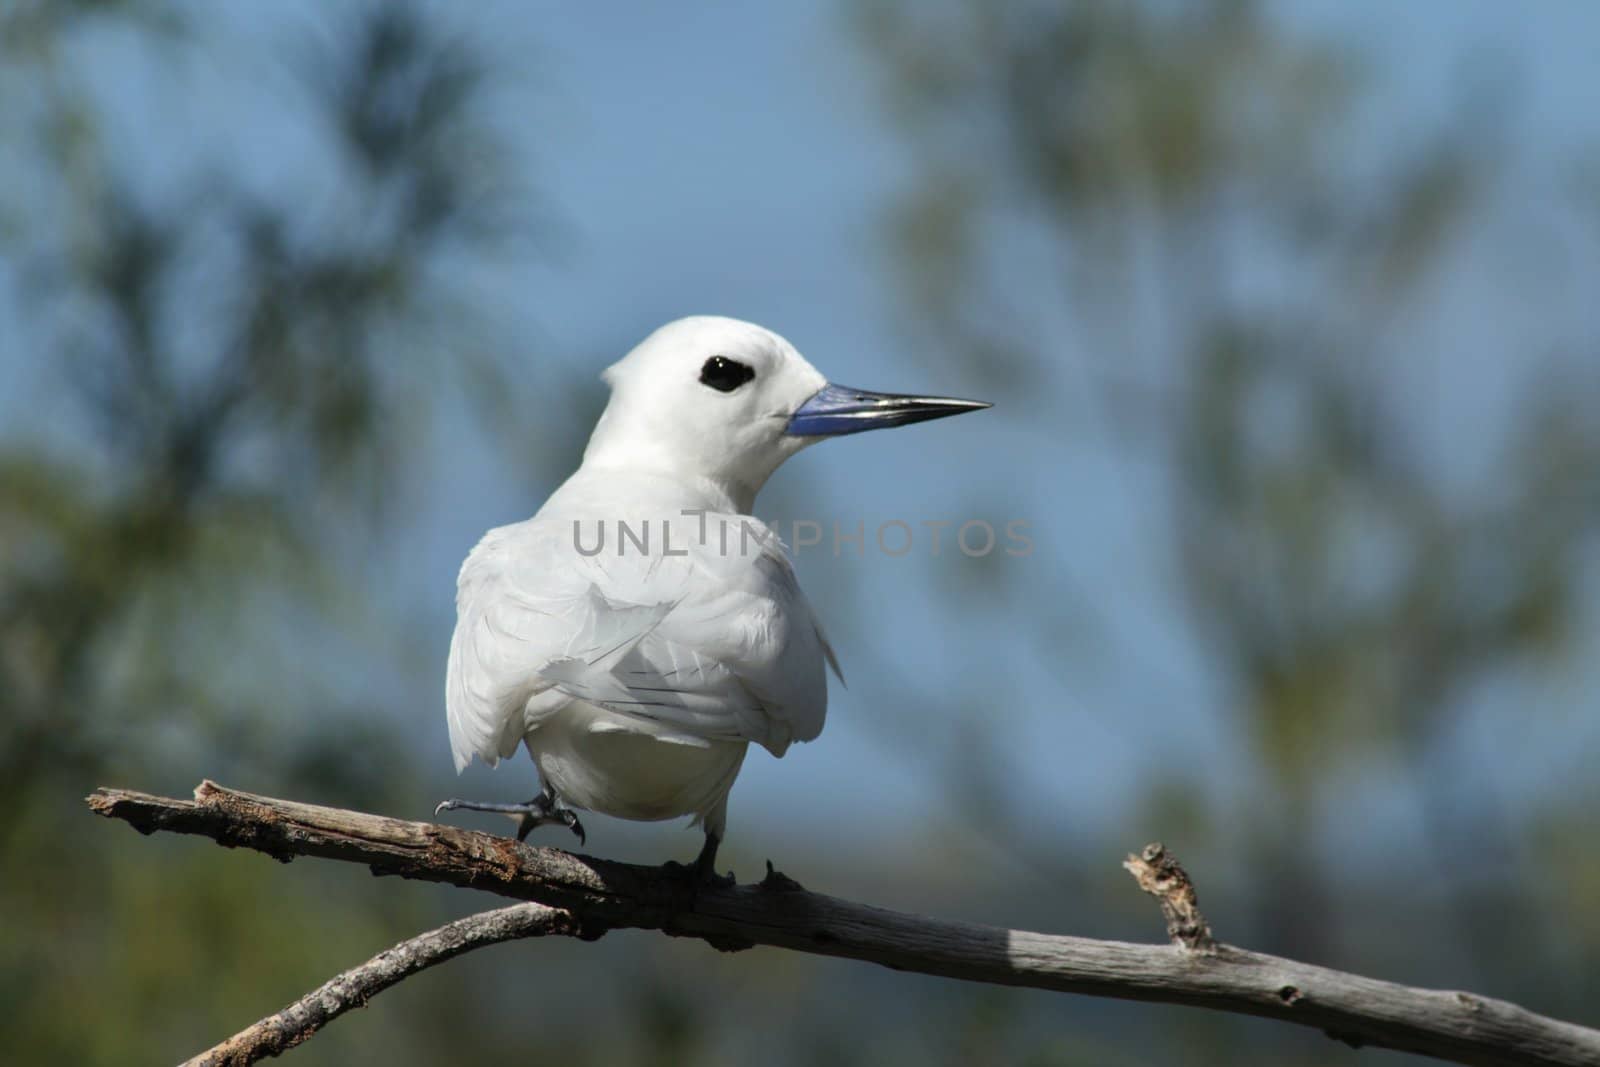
(728,401)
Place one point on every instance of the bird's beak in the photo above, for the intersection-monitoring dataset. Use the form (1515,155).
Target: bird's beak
(838,409)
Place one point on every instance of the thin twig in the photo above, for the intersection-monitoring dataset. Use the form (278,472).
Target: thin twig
(1159,873)
(1460,1027)
(283,1031)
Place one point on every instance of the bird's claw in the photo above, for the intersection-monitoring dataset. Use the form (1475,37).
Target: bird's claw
(699,875)
(702,873)
(542,809)
(565,816)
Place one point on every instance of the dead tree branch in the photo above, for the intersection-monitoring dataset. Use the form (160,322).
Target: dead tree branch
(352,989)
(600,895)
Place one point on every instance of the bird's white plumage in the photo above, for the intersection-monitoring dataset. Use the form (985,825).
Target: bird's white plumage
(637,678)
(701,647)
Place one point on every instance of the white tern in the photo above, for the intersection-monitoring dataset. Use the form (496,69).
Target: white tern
(641,630)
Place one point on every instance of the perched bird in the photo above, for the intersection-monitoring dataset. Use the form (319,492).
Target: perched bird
(642,629)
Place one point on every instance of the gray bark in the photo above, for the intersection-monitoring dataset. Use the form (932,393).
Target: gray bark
(598,895)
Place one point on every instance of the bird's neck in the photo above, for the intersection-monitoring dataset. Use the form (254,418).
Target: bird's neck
(661,486)
(619,451)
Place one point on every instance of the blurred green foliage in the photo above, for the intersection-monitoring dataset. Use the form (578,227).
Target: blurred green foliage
(242,380)
(245,377)
(1177,177)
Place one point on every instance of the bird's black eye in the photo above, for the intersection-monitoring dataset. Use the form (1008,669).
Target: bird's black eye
(724,374)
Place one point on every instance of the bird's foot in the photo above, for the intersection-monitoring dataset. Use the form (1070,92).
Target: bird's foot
(698,876)
(702,873)
(542,809)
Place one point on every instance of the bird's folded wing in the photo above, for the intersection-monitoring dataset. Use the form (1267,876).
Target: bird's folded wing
(710,646)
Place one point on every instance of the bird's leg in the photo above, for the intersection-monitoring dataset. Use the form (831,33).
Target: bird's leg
(705,864)
(544,808)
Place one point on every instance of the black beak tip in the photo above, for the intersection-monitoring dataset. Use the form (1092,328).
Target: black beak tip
(943,408)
